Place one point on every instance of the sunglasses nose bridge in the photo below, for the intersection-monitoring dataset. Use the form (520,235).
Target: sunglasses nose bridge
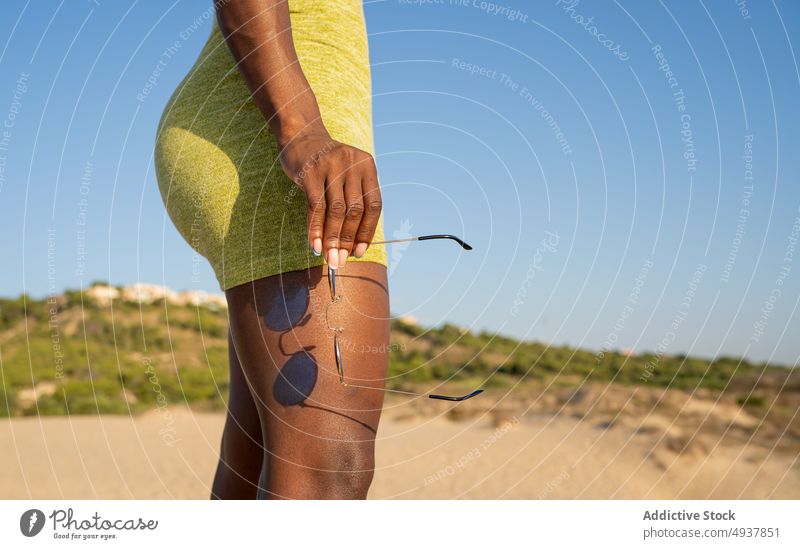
(331,327)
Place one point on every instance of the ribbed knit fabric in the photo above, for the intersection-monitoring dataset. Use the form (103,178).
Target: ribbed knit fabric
(217,160)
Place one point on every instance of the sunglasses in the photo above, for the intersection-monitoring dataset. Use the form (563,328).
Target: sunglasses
(336,296)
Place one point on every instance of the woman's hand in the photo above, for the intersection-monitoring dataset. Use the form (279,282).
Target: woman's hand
(341,187)
(340,182)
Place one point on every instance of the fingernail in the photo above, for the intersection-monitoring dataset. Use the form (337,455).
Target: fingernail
(333,258)
(317,249)
(343,257)
(361,248)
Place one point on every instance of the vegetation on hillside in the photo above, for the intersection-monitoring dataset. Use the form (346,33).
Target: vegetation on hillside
(67,355)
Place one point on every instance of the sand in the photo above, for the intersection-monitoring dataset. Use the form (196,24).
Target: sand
(535,457)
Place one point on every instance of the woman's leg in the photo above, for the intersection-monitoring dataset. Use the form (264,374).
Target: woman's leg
(319,434)
(242,449)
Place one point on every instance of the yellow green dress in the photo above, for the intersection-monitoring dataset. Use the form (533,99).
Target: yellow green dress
(217,160)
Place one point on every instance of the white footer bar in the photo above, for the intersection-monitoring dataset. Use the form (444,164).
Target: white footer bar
(386,524)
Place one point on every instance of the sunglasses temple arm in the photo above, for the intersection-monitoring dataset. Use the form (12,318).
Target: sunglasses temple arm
(395,241)
(413,393)
(338,354)
(476,392)
(428,237)
(340,370)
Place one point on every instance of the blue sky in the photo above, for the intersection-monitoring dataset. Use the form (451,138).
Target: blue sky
(611,203)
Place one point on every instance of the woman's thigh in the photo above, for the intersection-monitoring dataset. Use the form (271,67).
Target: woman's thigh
(319,433)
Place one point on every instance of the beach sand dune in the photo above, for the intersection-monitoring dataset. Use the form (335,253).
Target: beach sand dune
(159,456)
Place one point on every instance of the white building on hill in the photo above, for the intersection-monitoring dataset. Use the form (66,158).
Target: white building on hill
(147,293)
(199,298)
(102,295)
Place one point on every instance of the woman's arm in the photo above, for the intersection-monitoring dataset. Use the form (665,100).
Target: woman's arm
(340,181)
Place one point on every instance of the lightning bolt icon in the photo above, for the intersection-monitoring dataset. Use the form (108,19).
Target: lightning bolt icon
(34,518)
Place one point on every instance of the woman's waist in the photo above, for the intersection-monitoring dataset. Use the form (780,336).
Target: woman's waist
(337,23)
(328,42)
(323,32)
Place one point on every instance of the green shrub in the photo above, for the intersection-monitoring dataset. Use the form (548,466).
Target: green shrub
(750,400)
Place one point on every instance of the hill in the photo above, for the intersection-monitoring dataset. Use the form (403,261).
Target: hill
(70,354)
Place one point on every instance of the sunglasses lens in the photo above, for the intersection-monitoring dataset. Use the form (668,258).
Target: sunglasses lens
(338,354)
(332,282)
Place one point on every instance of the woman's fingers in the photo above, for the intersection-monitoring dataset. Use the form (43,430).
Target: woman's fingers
(315,218)
(344,213)
(372,212)
(335,210)
(352,220)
